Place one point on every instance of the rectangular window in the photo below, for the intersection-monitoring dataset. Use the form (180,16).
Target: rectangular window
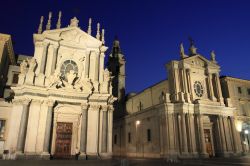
(2,129)
(15,78)
(149,135)
(115,139)
(239,90)
(129,137)
(248,91)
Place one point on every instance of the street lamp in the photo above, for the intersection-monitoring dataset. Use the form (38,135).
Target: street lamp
(137,138)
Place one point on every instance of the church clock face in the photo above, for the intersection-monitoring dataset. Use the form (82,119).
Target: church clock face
(198,88)
(67,66)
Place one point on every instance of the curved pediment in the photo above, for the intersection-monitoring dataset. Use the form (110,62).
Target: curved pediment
(71,36)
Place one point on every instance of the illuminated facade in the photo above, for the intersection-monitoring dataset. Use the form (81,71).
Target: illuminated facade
(184,116)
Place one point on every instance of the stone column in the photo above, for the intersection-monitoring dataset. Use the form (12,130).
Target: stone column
(44,57)
(218,87)
(54,59)
(96,77)
(110,128)
(102,55)
(104,129)
(184,134)
(190,84)
(83,138)
(23,127)
(185,85)
(222,135)
(202,137)
(210,85)
(171,133)
(87,65)
(176,81)
(227,134)
(234,134)
(48,126)
(192,134)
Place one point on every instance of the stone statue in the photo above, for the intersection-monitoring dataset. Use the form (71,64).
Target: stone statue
(106,75)
(32,64)
(71,76)
(213,56)
(55,80)
(24,67)
(84,85)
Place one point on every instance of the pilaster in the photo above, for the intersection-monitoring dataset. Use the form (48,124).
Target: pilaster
(83,138)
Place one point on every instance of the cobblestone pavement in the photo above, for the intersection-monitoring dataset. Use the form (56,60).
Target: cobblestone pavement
(242,161)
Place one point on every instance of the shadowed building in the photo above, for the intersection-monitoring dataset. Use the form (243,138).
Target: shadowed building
(183,116)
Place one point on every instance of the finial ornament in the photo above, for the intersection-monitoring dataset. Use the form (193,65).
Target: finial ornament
(40,28)
(89,27)
(103,39)
(182,51)
(48,26)
(58,24)
(98,31)
(213,56)
(192,49)
(74,22)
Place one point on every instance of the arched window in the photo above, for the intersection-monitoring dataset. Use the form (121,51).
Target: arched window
(67,66)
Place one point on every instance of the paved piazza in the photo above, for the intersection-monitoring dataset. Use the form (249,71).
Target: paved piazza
(243,161)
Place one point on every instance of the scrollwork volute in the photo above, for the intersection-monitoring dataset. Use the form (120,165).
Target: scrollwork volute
(24,67)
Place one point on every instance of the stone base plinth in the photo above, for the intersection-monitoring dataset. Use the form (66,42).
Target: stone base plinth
(45,156)
(82,156)
(40,79)
(106,155)
(30,76)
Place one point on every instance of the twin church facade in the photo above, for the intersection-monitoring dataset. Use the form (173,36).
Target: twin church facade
(67,103)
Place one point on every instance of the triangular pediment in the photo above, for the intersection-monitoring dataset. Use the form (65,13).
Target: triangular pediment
(199,60)
(72,36)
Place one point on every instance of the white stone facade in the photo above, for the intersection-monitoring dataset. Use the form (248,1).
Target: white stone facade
(64,84)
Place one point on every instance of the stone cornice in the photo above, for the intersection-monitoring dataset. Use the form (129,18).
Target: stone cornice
(7,40)
(235,80)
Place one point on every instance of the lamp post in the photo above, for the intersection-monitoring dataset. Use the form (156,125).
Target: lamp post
(137,123)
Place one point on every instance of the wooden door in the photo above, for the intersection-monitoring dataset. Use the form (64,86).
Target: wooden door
(63,140)
(208,141)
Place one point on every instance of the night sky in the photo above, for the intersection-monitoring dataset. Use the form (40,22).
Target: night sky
(149,31)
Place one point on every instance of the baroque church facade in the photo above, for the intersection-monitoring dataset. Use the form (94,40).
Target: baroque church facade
(63,102)
(184,116)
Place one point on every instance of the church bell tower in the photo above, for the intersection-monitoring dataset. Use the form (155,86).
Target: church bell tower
(116,65)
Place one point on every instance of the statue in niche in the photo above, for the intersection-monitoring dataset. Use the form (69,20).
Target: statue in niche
(23,67)
(55,80)
(70,78)
(32,64)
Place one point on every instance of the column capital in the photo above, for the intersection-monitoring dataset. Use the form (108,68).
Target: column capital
(50,103)
(84,106)
(111,108)
(45,44)
(94,107)
(104,107)
(36,101)
(26,101)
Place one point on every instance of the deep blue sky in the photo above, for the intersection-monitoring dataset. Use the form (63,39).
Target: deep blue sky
(149,31)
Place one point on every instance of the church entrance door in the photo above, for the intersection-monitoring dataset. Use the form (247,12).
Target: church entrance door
(63,140)
(208,141)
